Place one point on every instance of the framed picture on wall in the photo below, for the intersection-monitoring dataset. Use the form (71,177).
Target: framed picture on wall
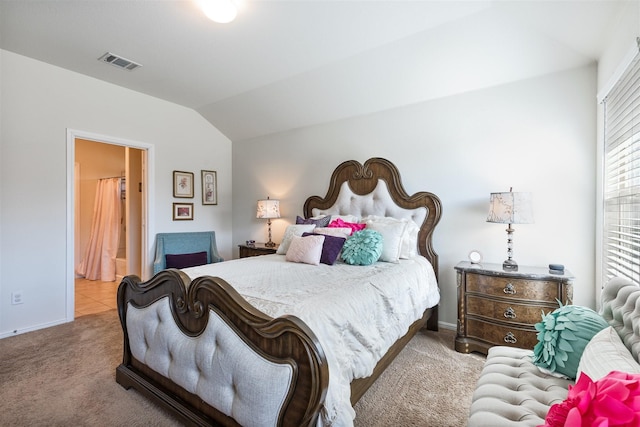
(183,184)
(209,188)
(182,211)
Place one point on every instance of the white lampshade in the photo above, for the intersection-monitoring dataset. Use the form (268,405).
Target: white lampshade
(268,208)
(510,208)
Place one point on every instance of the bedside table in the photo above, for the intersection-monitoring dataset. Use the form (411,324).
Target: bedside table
(497,307)
(256,250)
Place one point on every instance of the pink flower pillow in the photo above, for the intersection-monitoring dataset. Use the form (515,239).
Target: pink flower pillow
(613,400)
(354,226)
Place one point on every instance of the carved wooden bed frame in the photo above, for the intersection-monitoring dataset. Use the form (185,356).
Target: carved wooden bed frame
(284,339)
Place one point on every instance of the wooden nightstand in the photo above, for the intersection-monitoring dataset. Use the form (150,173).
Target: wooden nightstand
(256,249)
(497,307)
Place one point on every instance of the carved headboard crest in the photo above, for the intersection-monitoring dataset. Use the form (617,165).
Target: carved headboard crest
(363,180)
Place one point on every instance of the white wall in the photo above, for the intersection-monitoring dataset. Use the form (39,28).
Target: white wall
(39,103)
(536,135)
(622,37)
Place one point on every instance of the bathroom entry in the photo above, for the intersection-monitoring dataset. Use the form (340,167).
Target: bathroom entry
(99,165)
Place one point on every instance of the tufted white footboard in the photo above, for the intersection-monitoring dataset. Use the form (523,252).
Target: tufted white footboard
(216,365)
(202,351)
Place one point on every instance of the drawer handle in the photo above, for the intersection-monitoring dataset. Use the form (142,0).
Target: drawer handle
(510,313)
(510,338)
(509,289)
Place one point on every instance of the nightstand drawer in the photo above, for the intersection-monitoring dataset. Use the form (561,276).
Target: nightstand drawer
(501,335)
(509,287)
(506,311)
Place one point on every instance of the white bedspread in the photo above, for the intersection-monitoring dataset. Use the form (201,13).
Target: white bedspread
(357,312)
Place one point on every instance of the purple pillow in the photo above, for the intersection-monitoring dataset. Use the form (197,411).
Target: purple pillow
(322,222)
(330,248)
(186,260)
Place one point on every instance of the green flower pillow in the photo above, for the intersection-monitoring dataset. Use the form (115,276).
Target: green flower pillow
(562,336)
(363,247)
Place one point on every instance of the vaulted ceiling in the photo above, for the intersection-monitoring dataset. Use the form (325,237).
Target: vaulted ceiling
(287,64)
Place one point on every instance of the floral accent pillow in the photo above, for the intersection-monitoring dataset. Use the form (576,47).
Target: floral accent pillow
(364,247)
(562,337)
(610,401)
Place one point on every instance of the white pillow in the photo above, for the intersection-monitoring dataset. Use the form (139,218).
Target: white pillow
(345,218)
(605,353)
(392,233)
(333,231)
(410,240)
(307,250)
(409,248)
(290,232)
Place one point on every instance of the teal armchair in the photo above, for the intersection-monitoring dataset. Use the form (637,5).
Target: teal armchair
(185,243)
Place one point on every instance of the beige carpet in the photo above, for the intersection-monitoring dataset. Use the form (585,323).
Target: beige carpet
(65,376)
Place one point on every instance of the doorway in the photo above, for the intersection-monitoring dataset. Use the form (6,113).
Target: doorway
(94,158)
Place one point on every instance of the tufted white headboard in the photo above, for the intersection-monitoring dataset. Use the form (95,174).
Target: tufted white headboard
(375,188)
(379,202)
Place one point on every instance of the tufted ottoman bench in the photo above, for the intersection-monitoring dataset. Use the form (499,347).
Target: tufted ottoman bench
(512,391)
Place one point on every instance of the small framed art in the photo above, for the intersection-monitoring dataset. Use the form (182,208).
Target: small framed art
(183,184)
(209,188)
(182,211)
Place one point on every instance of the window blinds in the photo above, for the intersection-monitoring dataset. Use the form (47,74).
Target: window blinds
(621,242)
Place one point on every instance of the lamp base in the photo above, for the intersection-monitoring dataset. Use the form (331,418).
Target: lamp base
(510,265)
(269,244)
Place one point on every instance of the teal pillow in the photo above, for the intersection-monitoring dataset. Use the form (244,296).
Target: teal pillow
(363,247)
(562,336)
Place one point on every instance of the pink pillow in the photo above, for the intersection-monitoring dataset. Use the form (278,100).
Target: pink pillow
(610,401)
(339,223)
(307,250)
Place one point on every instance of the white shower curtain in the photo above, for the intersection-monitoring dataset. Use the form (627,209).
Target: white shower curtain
(99,261)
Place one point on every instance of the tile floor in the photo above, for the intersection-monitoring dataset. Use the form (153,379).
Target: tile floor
(94,296)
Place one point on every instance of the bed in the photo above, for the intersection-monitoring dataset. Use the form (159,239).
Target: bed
(244,342)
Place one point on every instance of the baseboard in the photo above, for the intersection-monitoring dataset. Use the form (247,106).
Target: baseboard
(31,328)
(449,326)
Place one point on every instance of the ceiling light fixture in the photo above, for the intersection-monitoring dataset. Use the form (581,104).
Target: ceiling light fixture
(221,11)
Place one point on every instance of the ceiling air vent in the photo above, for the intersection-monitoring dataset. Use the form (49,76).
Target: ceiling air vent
(118,61)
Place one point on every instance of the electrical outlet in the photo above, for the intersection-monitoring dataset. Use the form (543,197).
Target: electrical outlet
(17,297)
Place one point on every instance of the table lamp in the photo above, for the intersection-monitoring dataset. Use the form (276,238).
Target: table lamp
(510,208)
(268,208)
